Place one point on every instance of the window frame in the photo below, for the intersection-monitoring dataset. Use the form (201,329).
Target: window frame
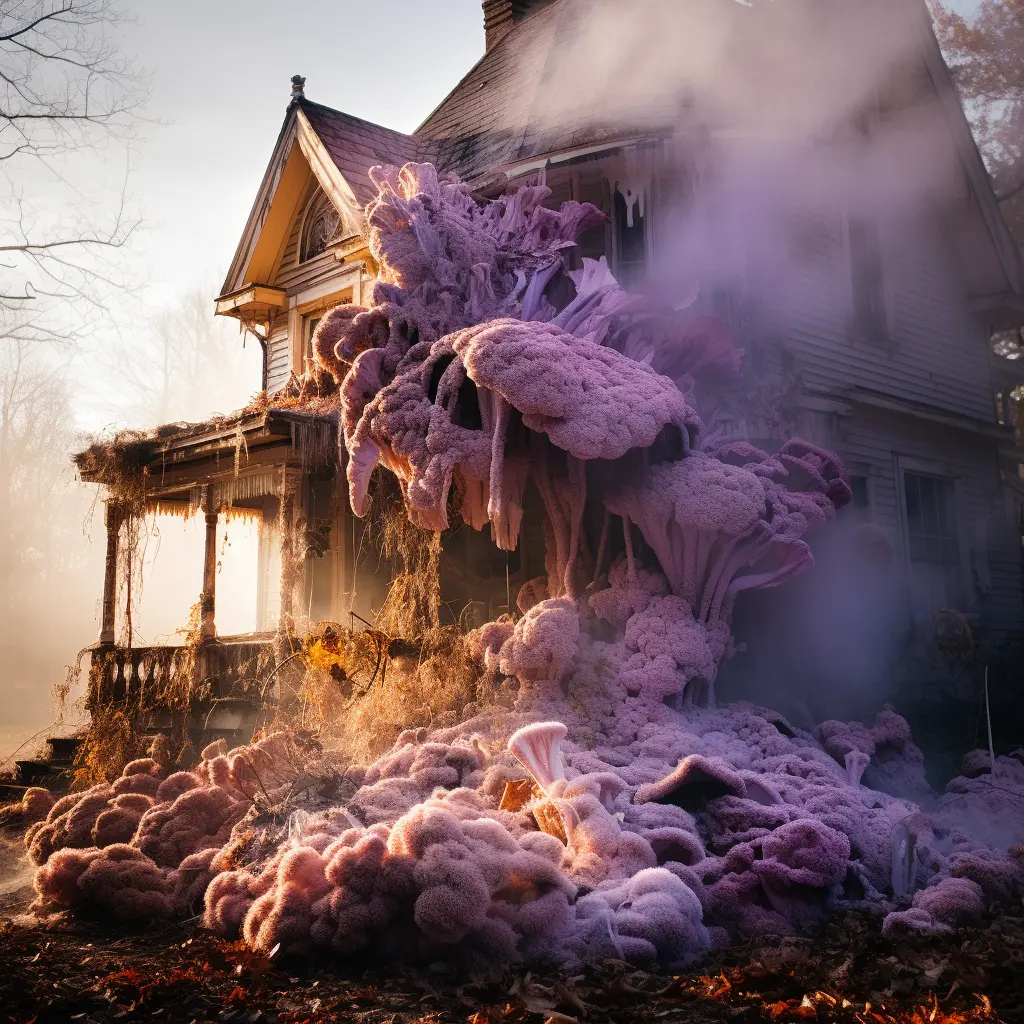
(318,201)
(299,315)
(616,237)
(960,573)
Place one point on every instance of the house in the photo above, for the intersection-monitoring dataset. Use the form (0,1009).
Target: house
(867,325)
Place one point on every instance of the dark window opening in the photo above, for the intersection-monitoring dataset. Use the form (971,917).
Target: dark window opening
(859,487)
(630,237)
(869,310)
(589,186)
(319,228)
(931,519)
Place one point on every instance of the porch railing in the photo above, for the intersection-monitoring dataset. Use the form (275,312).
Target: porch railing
(179,676)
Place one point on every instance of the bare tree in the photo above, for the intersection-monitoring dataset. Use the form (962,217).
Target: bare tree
(68,104)
(47,572)
(185,364)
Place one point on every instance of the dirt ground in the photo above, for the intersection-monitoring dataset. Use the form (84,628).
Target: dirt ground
(86,971)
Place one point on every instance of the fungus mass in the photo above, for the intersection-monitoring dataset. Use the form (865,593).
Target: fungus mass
(616,810)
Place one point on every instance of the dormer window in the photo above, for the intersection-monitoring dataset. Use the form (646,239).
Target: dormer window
(319,227)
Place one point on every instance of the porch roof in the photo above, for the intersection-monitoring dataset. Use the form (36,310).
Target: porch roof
(242,455)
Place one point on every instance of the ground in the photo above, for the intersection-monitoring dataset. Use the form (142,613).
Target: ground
(86,971)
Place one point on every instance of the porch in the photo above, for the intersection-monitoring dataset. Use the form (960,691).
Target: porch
(275,467)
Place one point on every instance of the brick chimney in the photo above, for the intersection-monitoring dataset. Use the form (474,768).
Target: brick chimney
(501,16)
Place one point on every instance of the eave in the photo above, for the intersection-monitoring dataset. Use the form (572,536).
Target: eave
(1001,312)
(257,302)
(1008,253)
(922,411)
(299,158)
(224,453)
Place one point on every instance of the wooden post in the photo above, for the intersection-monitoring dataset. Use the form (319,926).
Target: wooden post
(208,601)
(113,517)
(290,568)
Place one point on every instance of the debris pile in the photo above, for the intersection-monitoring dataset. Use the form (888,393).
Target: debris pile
(615,811)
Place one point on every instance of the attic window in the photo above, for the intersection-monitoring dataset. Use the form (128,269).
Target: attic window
(319,227)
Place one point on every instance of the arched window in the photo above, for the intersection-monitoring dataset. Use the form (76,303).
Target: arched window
(319,226)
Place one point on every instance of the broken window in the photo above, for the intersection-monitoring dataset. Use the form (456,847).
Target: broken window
(870,318)
(931,519)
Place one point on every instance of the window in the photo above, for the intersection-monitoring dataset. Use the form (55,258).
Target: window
(588,185)
(931,519)
(309,324)
(870,318)
(319,227)
(859,487)
(630,236)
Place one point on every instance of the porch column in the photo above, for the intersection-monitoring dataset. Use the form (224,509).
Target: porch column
(290,564)
(113,517)
(208,601)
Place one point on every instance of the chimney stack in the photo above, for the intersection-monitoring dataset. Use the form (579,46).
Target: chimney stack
(501,16)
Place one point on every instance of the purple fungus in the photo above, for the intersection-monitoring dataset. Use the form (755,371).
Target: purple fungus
(538,748)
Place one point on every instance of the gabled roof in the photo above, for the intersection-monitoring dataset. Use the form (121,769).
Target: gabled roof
(317,143)
(356,145)
(516,103)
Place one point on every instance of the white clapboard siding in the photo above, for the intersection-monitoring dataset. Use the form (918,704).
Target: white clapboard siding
(278,355)
(875,441)
(936,353)
(294,278)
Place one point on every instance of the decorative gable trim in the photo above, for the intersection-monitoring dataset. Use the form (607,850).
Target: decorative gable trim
(299,158)
(330,178)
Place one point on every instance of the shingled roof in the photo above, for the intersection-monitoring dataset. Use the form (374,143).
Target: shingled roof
(356,145)
(522,99)
(498,115)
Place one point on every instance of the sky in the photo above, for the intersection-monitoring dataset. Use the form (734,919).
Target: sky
(220,85)
(221,73)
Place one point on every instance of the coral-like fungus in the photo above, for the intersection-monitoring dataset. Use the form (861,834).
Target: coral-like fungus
(653,822)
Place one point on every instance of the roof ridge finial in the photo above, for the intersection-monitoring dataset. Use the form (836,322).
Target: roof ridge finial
(298,88)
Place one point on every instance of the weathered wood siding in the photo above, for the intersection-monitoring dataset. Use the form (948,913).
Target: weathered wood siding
(936,352)
(877,444)
(278,355)
(294,278)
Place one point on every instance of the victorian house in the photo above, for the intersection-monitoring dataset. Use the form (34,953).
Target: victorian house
(879,345)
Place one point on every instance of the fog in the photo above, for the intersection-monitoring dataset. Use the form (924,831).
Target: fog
(785,119)
(177,364)
(761,112)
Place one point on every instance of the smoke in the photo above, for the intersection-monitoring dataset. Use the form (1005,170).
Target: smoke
(785,119)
